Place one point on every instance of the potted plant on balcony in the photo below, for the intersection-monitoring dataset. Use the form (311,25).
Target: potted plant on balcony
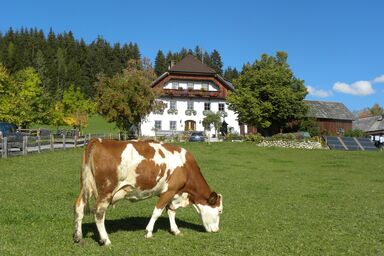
(172,111)
(190,112)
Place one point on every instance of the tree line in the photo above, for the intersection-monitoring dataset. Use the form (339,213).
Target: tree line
(211,59)
(61,60)
(58,79)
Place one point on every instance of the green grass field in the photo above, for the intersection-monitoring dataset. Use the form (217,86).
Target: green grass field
(96,125)
(276,202)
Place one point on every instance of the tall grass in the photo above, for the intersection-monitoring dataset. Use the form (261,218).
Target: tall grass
(276,202)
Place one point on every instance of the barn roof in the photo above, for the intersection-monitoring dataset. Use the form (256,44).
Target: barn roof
(369,124)
(329,110)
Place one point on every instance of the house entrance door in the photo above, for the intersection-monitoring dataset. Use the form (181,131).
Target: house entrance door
(190,125)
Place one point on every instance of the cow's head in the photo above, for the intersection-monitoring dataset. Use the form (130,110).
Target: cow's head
(210,212)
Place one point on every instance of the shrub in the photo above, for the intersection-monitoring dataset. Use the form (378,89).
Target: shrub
(257,138)
(355,133)
(233,136)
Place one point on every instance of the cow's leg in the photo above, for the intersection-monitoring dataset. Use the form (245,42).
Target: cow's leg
(164,199)
(100,208)
(172,221)
(79,214)
(155,215)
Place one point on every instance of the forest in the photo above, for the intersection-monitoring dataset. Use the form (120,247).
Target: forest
(60,59)
(54,78)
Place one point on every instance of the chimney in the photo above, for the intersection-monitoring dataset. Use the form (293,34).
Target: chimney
(171,64)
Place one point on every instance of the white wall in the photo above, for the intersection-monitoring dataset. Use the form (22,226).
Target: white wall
(147,126)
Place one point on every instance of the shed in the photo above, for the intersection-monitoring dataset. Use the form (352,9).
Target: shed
(373,125)
(332,117)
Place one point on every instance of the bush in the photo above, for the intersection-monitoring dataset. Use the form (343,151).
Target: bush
(257,138)
(233,136)
(355,133)
(284,137)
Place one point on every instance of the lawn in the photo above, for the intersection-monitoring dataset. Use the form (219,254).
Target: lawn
(276,202)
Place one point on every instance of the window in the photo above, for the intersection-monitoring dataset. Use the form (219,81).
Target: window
(172,125)
(190,86)
(190,105)
(207,106)
(158,124)
(221,107)
(204,86)
(175,85)
(172,104)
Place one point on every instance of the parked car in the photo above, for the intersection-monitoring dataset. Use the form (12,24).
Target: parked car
(14,137)
(197,137)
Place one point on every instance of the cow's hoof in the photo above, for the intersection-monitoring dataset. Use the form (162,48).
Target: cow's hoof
(104,242)
(77,238)
(176,232)
(148,234)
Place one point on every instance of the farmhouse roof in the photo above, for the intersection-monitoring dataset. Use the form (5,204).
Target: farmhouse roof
(329,110)
(369,124)
(191,65)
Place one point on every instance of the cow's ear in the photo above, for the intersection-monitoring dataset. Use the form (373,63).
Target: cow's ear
(213,197)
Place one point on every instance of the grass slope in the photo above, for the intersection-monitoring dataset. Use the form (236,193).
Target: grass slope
(96,125)
(276,202)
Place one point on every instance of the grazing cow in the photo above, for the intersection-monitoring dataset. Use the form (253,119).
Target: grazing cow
(136,170)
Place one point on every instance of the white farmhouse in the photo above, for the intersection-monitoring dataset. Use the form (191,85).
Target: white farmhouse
(189,90)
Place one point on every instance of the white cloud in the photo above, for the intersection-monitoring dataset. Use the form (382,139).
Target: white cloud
(318,92)
(360,88)
(379,79)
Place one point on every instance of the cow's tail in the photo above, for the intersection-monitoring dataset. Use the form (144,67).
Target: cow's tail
(88,183)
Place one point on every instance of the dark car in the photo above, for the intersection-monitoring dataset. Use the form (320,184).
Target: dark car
(197,137)
(14,137)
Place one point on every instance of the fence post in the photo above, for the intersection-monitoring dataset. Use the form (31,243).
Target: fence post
(5,147)
(25,145)
(63,141)
(39,144)
(75,142)
(52,143)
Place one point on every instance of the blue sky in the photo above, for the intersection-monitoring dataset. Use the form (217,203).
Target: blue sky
(336,46)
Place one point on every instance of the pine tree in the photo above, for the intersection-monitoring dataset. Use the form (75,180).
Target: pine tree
(160,63)
(215,62)
(231,74)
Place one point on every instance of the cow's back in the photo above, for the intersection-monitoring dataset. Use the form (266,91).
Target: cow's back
(133,169)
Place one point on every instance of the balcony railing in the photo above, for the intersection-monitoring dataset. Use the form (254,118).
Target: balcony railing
(193,93)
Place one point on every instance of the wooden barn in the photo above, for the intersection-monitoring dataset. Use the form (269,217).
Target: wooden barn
(373,125)
(332,117)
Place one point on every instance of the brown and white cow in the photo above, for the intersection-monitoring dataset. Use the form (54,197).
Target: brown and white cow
(136,170)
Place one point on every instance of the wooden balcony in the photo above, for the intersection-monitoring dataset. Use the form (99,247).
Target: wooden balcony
(193,93)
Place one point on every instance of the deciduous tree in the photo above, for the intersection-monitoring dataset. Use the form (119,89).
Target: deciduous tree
(126,98)
(21,99)
(268,95)
(75,107)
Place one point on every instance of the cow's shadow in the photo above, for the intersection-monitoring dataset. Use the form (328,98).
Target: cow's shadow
(136,224)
